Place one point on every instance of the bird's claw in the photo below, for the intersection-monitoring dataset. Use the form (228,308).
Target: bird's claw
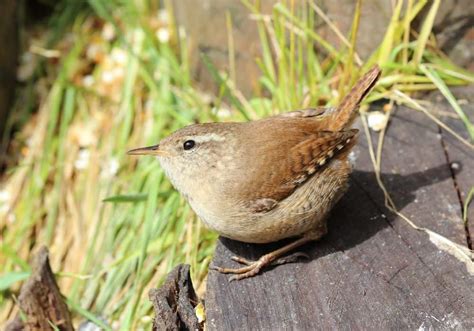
(252,268)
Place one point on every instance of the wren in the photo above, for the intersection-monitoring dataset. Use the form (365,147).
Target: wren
(269,179)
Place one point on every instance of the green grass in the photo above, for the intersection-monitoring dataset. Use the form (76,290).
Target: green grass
(113,223)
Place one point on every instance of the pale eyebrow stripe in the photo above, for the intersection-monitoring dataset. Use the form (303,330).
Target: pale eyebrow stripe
(208,137)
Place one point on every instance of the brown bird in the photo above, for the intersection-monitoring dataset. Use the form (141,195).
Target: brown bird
(265,180)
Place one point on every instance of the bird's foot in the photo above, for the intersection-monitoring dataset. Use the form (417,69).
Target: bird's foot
(252,268)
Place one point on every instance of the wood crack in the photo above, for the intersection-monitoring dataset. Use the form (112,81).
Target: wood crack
(456,187)
(366,274)
(407,244)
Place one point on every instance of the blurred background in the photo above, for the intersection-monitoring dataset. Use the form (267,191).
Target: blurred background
(82,82)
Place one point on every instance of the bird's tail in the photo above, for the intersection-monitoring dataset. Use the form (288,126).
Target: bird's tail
(347,109)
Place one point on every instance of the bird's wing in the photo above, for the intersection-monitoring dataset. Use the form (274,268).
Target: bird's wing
(307,112)
(340,117)
(285,173)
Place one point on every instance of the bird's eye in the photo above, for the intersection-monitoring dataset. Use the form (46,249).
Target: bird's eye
(189,144)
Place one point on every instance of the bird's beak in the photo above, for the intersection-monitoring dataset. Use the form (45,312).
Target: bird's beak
(150,150)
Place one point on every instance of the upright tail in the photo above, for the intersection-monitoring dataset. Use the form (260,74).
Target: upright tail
(347,109)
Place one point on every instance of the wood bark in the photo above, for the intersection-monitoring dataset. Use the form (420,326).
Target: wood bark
(174,302)
(41,304)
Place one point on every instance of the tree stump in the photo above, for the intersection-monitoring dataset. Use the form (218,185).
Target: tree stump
(373,270)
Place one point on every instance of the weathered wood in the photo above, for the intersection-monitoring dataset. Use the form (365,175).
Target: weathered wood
(174,302)
(40,301)
(372,270)
(458,153)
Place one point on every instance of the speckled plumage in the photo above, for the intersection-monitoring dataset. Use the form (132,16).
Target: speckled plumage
(279,188)
(265,180)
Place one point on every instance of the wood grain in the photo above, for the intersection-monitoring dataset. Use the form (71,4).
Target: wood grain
(174,302)
(372,270)
(459,155)
(40,300)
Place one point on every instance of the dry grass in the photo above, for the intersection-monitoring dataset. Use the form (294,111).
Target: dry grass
(113,80)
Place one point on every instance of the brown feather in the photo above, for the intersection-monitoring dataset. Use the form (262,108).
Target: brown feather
(283,165)
(347,109)
(265,180)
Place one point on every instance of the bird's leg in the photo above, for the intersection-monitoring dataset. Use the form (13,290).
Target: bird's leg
(252,268)
(282,260)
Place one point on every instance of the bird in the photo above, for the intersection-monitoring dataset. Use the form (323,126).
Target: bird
(269,179)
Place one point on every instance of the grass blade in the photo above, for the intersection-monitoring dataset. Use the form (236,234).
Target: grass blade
(438,82)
